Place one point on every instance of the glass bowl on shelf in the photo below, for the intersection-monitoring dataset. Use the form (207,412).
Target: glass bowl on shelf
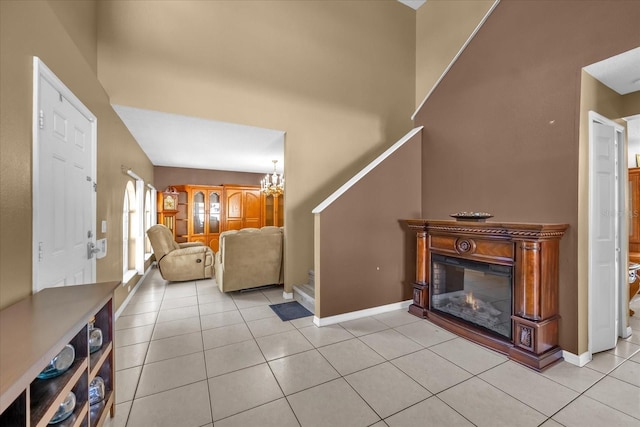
(96,391)
(95,338)
(60,363)
(65,409)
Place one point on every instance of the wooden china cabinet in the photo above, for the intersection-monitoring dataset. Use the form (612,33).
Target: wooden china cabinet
(204,214)
(273,210)
(634,228)
(634,213)
(199,213)
(243,207)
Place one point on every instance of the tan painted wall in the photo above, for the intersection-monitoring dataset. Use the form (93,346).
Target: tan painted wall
(366,255)
(29,28)
(631,104)
(502,129)
(80,20)
(338,77)
(442,28)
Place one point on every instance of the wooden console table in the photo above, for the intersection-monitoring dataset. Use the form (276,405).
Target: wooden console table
(33,331)
(533,252)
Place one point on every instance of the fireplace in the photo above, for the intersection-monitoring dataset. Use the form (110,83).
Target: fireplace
(475,292)
(493,283)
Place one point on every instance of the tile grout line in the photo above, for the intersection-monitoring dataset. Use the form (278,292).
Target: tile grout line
(204,357)
(162,360)
(133,398)
(244,321)
(284,395)
(605,375)
(583,392)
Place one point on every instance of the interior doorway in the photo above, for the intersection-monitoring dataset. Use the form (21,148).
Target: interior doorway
(608,245)
(608,87)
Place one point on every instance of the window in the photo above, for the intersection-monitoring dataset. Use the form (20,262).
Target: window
(129,233)
(147,223)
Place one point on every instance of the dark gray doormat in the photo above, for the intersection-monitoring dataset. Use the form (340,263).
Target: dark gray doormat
(290,310)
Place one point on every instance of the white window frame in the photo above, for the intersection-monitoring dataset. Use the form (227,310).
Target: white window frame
(148,215)
(129,230)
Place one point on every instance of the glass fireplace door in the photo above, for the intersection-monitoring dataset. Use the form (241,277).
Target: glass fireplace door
(476,292)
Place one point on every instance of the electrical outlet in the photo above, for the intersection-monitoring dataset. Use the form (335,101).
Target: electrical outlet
(104,226)
(129,288)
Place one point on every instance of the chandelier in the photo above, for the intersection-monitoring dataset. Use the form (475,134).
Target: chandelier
(273,185)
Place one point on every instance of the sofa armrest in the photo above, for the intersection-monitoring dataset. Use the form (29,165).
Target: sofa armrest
(189,251)
(195,262)
(191,256)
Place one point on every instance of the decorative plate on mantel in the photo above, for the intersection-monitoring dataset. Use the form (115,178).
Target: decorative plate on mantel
(471,216)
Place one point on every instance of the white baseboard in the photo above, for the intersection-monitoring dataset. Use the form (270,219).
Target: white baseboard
(287,295)
(574,359)
(135,288)
(353,315)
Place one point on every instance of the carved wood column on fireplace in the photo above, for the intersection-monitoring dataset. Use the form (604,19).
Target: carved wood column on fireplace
(532,250)
(421,285)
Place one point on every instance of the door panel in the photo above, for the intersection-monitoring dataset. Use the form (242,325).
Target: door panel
(214,242)
(64,192)
(252,209)
(234,205)
(604,239)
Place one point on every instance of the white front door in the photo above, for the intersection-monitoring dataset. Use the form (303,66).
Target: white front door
(606,215)
(63,185)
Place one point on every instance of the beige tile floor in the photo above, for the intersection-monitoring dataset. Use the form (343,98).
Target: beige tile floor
(188,355)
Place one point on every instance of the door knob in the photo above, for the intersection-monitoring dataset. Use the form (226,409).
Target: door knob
(91,250)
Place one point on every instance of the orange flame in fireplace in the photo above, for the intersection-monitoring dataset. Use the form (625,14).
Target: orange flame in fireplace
(469,299)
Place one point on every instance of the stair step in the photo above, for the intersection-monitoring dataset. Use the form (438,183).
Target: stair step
(308,289)
(312,277)
(305,295)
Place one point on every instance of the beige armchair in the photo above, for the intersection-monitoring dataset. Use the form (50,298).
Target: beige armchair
(249,258)
(180,261)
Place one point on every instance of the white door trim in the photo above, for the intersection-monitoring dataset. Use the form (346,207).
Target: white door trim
(622,226)
(40,70)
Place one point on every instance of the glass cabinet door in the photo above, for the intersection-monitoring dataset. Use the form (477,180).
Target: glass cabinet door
(268,211)
(198,212)
(214,212)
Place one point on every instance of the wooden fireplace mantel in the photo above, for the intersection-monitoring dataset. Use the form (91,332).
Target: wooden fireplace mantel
(533,252)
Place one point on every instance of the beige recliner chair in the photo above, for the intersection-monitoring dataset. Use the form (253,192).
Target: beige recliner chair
(249,258)
(180,261)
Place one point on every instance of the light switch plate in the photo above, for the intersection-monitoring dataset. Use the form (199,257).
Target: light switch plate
(104,226)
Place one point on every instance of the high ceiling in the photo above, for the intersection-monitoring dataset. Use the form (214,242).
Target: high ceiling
(621,72)
(414,4)
(189,142)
